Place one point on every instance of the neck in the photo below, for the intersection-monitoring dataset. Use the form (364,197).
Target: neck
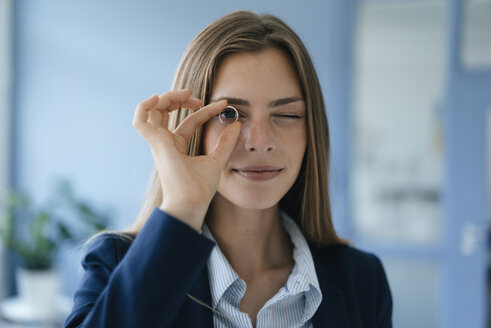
(253,241)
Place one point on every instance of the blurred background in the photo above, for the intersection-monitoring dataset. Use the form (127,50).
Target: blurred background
(407,85)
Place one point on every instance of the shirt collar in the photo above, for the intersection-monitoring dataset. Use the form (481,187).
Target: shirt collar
(221,274)
(301,279)
(303,273)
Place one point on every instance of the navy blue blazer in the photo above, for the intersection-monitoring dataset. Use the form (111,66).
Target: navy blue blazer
(146,285)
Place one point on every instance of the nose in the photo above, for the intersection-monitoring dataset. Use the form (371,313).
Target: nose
(259,136)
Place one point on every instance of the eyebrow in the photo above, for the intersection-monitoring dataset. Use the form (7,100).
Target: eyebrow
(244,102)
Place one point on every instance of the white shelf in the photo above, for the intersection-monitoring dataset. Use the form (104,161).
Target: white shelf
(17,313)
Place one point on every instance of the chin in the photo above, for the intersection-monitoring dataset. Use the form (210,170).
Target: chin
(247,201)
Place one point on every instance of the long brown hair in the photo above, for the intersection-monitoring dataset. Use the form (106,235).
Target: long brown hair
(243,31)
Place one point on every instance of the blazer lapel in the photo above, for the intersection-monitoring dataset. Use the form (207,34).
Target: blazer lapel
(332,310)
(194,314)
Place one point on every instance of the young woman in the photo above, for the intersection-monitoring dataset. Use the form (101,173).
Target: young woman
(236,230)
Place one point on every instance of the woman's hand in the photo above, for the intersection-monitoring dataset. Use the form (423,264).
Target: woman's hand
(188,183)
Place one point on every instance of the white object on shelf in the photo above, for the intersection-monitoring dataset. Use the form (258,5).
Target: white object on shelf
(39,289)
(39,299)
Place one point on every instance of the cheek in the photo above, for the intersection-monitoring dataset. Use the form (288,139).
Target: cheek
(295,142)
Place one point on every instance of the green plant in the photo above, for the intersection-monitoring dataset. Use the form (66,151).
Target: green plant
(35,233)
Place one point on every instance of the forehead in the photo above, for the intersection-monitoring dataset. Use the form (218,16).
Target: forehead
(268,74)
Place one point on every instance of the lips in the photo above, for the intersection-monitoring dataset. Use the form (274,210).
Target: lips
(258,172)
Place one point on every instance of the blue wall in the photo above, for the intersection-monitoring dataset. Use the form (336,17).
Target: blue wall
(81,67)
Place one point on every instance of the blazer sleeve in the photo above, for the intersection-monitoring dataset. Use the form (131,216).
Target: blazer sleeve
(384,297)
(144,287)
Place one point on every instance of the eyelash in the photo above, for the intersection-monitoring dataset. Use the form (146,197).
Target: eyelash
(289,116)
(286,116)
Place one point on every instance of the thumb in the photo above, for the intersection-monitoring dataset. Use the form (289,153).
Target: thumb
(226,143)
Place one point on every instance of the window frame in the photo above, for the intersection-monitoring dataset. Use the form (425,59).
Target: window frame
(5,119)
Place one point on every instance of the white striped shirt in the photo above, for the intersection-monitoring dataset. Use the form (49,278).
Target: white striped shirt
(292,306)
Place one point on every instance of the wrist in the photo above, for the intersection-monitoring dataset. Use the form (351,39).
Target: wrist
(192,217)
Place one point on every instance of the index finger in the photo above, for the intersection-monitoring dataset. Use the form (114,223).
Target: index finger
(173,100)
(190,124)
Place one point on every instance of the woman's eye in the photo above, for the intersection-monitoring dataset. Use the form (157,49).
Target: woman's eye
(289,116)
(228,115)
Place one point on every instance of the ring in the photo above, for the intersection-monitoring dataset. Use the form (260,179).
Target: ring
(228,115)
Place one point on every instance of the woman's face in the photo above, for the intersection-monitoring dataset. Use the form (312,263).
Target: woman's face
(265,163)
